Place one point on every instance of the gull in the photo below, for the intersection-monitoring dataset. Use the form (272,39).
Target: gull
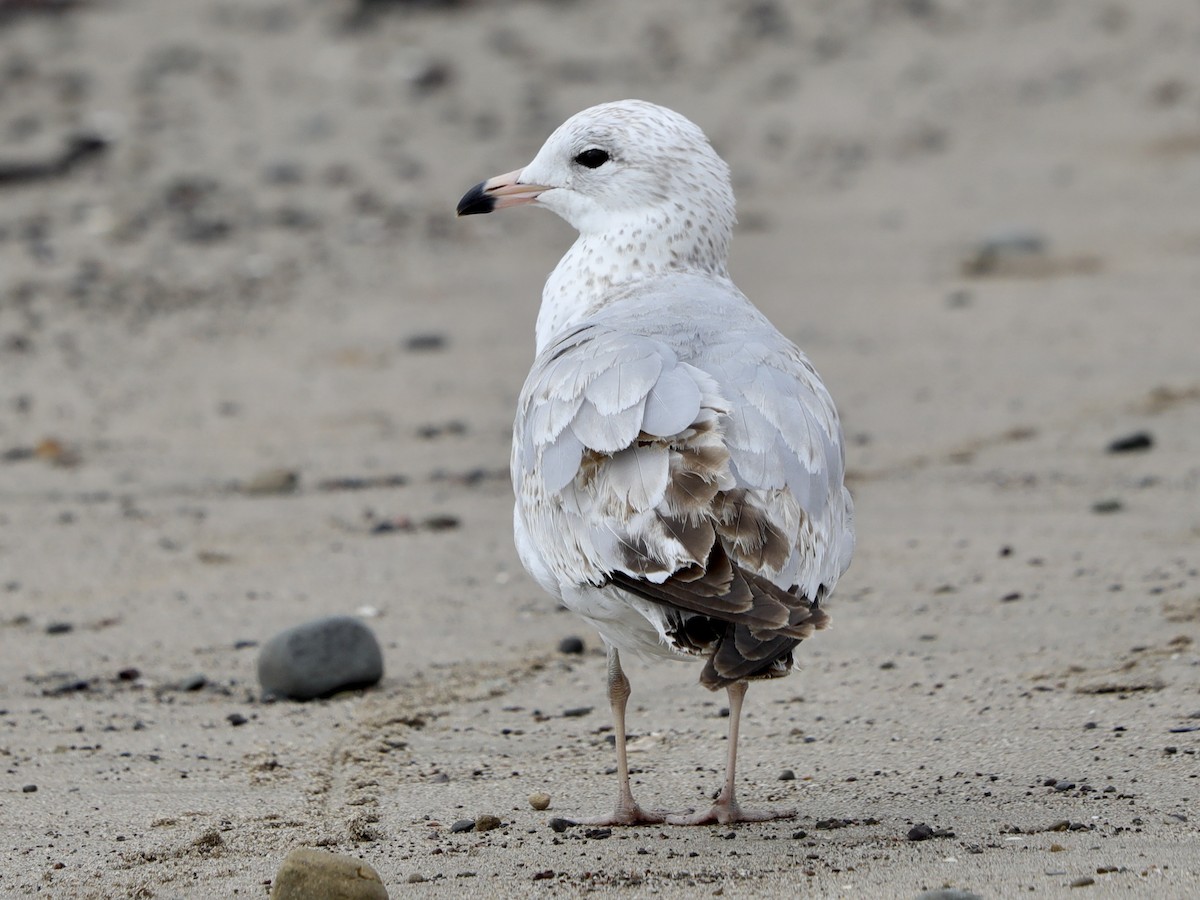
(677,462)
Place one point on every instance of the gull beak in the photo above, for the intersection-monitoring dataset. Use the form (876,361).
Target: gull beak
(497,193)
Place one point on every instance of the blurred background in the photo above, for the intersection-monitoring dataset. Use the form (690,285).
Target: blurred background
(227,247)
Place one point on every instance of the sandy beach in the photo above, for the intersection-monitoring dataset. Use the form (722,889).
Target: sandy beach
(253,372)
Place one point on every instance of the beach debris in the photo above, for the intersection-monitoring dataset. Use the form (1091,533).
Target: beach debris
(539,800)
(307,873)
(320,658)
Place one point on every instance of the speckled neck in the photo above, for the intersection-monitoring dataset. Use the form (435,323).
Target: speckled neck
(597,262)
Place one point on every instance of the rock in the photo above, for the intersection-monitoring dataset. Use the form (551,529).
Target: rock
(787,775)
(487,823)
(1139,440)
(948,894)
(308,874)
(272,481)
(571,644)
(319,658)
(462,825)
(539,800)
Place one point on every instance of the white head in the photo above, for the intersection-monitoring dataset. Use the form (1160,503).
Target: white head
(632,174)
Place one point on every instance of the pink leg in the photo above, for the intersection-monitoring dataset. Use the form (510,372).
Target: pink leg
(627,812)
(726,810)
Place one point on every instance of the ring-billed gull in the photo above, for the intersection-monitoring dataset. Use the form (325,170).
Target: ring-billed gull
(677,462)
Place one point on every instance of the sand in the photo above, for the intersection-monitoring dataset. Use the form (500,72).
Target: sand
(979,219)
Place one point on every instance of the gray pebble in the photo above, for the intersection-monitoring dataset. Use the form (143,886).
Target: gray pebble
(462,825)
(319,658)
(308,873)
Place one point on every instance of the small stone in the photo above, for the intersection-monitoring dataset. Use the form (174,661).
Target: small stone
(948,894)
(1083,882)
(272,481)
(1139,440)
(1104,507)
(415,878)
(576,712)
(1061,786)
(560,825)
(192,683)
(29,789)
(1057,848)
(59,628)
(487,823)
(236,719)
(921,832)
(1003,252)
(425,342)
(308,873)
(571,644)
(539,800)
(319,658)
(130,673)
(787,775)
(462,825)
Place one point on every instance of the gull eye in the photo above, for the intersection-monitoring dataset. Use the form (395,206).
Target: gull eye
(593,158)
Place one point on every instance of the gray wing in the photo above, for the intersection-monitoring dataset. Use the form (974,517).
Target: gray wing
(707,482)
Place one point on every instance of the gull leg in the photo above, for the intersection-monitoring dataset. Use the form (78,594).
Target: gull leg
(627,812)
(726,810)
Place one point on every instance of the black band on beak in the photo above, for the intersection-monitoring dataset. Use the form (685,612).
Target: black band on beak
(476,201)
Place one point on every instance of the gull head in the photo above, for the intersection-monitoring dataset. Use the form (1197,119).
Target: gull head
(630,169)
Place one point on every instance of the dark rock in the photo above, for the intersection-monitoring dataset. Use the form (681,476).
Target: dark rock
(787,775)
(236,719)
(1139,440)
(425,342)
(462,825)
(192,683)
(29,789)
(319,658)
(948,894)
(59,628)
(307,873)
(560,825)
(577,712)
(571,644)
